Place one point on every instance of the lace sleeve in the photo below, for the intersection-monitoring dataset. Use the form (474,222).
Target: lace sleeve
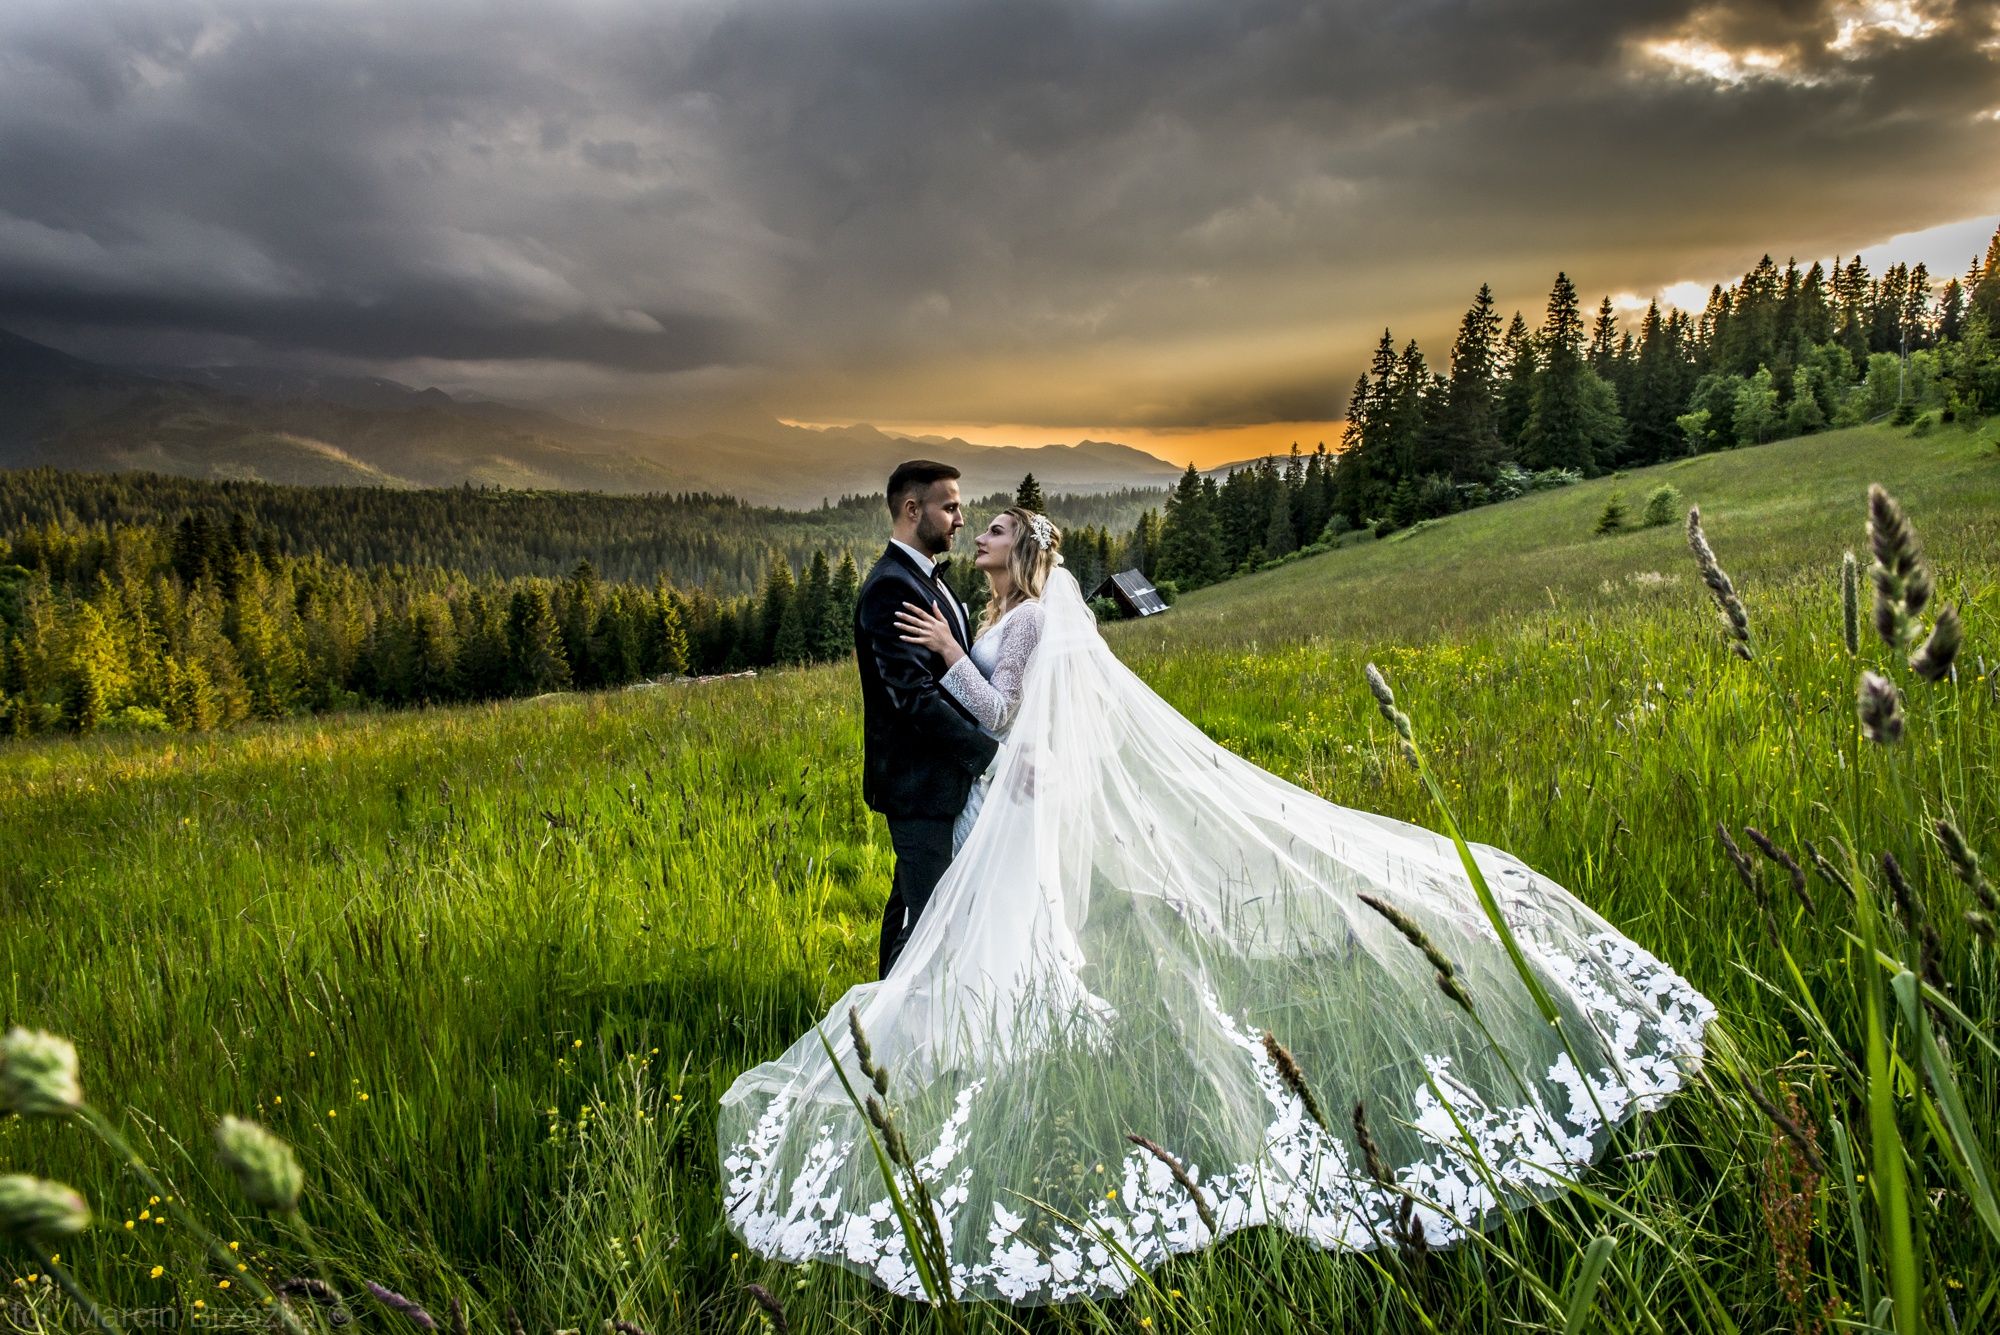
(993,702)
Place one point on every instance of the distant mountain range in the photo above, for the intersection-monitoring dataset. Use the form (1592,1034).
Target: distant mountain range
(279,425)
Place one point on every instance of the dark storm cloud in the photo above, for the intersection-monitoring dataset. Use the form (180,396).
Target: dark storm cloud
(1154,213)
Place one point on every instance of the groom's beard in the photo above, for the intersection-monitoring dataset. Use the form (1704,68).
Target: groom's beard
(932,539)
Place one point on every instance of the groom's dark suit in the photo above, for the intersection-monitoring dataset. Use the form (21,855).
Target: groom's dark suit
(921,750)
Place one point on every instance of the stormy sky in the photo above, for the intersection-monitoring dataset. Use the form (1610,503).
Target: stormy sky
(1024,220)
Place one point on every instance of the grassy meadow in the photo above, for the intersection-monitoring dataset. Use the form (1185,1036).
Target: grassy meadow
(488,969)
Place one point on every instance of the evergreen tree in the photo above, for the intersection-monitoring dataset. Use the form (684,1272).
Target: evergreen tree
(1602,353)
(534,643)
(1471,410)
(1612,518)
(577,606)
(1814,322)
(1279,537)
(792,643)
(1659,392)
(1573,420)
(1517,390)
(189,701)
(482,655)
(616,642)
(666,651)
(1029,495)
(433,655)
(1951,312)
(1189,550)
(1404,430)
(841,601)
(1353,476)
(1915,317)
(1983,284)
(815,605)
(774,602)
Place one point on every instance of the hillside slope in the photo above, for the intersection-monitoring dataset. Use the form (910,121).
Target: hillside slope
(1770,512)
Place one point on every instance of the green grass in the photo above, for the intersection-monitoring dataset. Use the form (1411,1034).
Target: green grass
(543,937)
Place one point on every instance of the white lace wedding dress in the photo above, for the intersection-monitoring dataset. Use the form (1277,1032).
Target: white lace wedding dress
(1132,908)
(988,682)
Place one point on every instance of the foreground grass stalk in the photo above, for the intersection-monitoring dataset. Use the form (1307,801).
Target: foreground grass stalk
(110,1135)
(925,1236)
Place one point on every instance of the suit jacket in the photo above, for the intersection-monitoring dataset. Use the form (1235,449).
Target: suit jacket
(921,749)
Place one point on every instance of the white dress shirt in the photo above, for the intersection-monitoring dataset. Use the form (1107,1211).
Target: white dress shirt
(929,567)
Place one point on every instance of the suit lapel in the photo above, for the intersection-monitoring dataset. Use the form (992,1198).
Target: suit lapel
(957,619)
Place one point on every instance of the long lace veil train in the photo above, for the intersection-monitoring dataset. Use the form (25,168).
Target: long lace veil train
(1135,906)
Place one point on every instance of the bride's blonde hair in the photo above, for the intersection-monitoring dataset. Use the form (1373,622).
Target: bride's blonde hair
(1036,552)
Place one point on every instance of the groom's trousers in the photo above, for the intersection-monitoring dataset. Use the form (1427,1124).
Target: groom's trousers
(923,851)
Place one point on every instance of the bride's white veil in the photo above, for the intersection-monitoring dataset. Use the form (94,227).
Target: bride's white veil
(1133,908)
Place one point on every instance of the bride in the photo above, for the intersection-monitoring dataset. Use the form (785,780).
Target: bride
(1143,935)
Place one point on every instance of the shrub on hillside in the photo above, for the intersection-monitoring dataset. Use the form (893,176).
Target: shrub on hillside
(1612,518)
(1663,505)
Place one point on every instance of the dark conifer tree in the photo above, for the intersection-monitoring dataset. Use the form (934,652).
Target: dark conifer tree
(1517,389)
(1982,285)
(534,643)
(1951,312)
(841,600)
(1029,495)
(815,602)
(1602,353)
(1471,410)
(1564,427)
(776,598)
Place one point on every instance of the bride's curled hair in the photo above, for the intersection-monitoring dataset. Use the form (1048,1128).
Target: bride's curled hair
(1036,552)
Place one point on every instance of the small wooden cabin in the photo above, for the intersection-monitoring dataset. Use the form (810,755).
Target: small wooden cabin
(1133,592)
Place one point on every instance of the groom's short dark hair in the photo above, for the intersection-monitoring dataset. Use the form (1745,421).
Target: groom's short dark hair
(915,475)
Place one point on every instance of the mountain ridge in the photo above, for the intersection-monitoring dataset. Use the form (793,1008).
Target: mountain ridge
(281,425)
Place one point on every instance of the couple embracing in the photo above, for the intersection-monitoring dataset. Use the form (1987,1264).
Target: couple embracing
(1126,972)
(937,694)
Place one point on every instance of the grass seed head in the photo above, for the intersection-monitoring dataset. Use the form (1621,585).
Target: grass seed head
(1745,871)
(774,1309)
(1902,583)
(1785,860)
(1829,873)
(38,1074)
(1933,659)
(265,1169)
(1294,1078)
(1180,1175)
(1965,865)
(33,1209)
(1881,709)
(1735,619)
(1850,602)
(1385,701)
(396,1302)
(1788,1126)
(1371,1153)
(862,1052)
(1447,973)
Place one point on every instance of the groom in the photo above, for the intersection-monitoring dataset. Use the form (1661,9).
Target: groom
(921,750)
